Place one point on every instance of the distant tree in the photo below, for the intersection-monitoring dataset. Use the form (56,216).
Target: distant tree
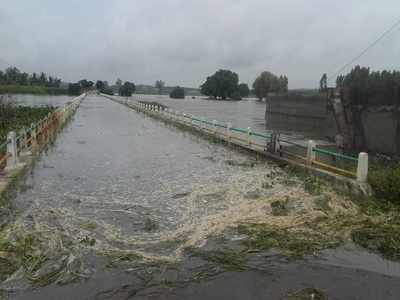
(85,84)
(127,89)
(177,93)
(244,90)
(118,83)
(323,83)
(159,85)
(42,78)
(365,87)
(34,79)
(23,78)
(283,84)
(100,85)
(267,82)
(74,89)
(223,84)
(11,75)
(57,83)
(107,90)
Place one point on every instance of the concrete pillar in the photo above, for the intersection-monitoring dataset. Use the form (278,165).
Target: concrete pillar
(362,167)
(310,153)
(249,135)
(12,160)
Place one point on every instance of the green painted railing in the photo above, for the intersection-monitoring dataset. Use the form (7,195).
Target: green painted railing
(3,146)
(336,154)
(307,155)
(292,143)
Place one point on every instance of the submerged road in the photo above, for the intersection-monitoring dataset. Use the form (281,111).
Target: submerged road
(120,187)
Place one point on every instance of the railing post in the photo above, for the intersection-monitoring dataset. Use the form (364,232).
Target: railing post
(272,144)
(215,126)
(249,135)
(22,143)
(228,130)
(12,151)
(362,167)
(310,153)
(34,144)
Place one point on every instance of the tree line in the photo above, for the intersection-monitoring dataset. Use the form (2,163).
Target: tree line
(224,84)
(13,76)
(365,87)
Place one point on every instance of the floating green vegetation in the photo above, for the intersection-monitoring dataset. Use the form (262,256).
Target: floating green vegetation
(228,259)
(89,226)
(41,259)
(314,185)
(116,257)
(322,202)
(280,207)
(245,164)
(306,294)
(150,225)
(293,243)
(382,237)
(385,181)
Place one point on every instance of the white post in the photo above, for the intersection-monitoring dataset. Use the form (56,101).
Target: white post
(362,167)
(228,130)
(310,153)
(249,135)
(12,151)
(215,126)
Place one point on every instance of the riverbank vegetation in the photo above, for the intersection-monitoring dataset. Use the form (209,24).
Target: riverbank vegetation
(14,117)
(267,83)
(12,80)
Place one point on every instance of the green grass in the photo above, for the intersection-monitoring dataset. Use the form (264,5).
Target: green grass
(293,243)
(17,117)
(31,89)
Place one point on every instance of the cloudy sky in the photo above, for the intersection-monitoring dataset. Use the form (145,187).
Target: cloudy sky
(183,41)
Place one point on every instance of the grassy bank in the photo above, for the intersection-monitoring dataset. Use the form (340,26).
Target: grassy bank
(17,117)
(31,89)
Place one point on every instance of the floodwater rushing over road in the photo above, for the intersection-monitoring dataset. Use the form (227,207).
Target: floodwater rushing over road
(113,208)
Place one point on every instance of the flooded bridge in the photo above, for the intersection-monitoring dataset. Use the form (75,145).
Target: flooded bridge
(122,206)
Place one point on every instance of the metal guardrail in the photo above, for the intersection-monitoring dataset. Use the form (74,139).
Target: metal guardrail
(273,143)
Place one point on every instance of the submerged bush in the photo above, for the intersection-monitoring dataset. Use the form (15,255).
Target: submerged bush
(386,183)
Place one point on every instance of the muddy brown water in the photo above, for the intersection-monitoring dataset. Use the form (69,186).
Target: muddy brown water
(130,183)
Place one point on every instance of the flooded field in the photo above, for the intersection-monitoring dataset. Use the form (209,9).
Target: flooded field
(126,207)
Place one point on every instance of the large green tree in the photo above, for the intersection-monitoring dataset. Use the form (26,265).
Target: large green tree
(178,93)
(268,82)
(244,90)
(223,84)
(127,89)
(100,85)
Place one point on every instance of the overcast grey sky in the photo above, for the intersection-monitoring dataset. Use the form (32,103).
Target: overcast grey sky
(183,41)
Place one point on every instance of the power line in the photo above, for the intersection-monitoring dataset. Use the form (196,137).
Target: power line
(384,34)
